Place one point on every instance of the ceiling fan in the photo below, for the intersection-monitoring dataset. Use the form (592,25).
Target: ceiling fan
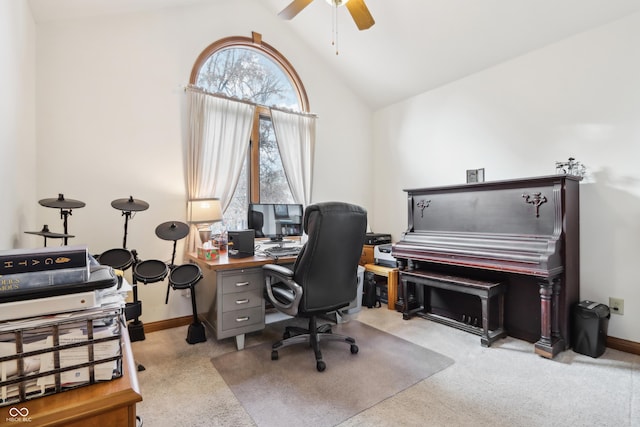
(358,10)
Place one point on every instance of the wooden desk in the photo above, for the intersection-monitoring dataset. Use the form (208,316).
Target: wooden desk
(230,296)
(109,403)
(392,281)
(225,263)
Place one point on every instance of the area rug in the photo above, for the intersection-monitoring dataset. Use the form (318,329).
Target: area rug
(291,392)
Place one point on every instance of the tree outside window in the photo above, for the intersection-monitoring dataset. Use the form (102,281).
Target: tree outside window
(240,68)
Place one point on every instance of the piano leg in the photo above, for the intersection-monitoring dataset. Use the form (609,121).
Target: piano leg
(413,303)
(555,321)
(405,307)
(550,342)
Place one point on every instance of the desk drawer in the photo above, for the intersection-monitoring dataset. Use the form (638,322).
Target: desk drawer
(242,282)
(241,318)
(241,300)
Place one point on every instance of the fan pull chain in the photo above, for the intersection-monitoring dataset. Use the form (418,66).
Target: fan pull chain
(334,21)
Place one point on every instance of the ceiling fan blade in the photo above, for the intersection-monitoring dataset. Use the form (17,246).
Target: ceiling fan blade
(360,14)
(294,8)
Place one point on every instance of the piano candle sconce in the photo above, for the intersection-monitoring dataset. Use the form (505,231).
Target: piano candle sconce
(423,204)
(537,200)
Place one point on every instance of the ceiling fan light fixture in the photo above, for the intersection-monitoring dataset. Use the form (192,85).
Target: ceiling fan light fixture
(357,9)
(337,3)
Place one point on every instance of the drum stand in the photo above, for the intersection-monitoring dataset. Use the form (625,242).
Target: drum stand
(187,276)
(134,309)
(135,327)
(195,333)
(65,205)
(127,206)
(171,267)
(64,214)
(173,231)
(45,232)
(127,215)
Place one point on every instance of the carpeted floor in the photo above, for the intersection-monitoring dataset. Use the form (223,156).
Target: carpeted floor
(291,392)
(506,385)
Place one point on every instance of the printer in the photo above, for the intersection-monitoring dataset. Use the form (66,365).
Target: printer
(382,256)
(377,239)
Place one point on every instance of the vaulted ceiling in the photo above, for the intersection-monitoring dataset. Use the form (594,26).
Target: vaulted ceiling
(415,45)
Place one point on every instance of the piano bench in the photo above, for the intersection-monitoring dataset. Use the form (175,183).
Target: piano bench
(485,290)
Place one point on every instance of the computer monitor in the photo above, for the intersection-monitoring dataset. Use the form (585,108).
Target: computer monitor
(275,220)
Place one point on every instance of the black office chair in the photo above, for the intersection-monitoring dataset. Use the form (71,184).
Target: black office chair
(324,277)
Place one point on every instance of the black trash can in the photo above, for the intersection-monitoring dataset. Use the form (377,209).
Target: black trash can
(589,329)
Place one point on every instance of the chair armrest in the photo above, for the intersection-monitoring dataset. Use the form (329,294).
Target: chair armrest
(275,269)
(283,292)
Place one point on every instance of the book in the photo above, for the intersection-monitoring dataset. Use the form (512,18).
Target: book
(43,259)
(48,305)
(20,283)
(61,282)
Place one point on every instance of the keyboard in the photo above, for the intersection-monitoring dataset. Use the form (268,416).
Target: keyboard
(278,251)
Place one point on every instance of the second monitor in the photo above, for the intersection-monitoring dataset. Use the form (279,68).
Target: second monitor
(275,221)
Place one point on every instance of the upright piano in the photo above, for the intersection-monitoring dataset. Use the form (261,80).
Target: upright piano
(522,232)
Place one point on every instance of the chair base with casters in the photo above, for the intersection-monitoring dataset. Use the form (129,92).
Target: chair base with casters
(186,277)
(296,335)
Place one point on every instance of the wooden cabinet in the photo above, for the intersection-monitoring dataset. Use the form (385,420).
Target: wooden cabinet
(367,255)
(392,281)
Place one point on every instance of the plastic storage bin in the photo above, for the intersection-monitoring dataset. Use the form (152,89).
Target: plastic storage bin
(356,304)
(589,329)
(44,355)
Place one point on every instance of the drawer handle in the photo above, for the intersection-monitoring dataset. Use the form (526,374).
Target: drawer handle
(240,284)
(242,319)
(242,301)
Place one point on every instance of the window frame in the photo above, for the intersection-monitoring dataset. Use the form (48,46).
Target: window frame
(255,43)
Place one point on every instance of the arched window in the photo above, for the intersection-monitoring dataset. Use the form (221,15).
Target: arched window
(249,69)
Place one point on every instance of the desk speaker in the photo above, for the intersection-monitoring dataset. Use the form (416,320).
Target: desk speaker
(241,243)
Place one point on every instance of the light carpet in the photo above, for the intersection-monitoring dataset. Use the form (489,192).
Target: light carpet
(291,392)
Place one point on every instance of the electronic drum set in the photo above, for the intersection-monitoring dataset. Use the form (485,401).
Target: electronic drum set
(184,276)
(66,207)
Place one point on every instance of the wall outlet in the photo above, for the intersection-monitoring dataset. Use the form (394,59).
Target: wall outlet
(616,305)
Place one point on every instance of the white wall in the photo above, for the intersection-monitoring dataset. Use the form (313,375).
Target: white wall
(110,123)
(17,124)
(579,97)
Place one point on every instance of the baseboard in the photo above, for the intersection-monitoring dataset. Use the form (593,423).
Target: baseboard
(612,342)
(167,324)
(623,345)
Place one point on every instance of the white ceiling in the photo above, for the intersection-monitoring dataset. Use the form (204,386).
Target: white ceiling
(415,45)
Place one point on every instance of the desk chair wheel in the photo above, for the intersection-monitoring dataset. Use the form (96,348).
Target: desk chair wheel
(320,366)
(354,349)
(274,355)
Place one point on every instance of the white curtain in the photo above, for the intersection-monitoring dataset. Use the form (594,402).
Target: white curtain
(296,136)
(217,141)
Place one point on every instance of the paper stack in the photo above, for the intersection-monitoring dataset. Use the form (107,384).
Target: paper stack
(52,344)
